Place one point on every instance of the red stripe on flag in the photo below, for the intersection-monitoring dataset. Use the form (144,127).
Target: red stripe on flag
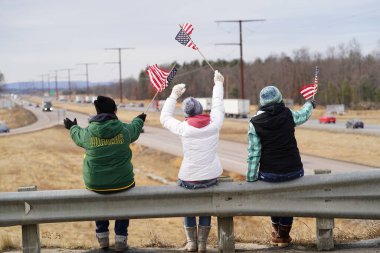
(188,28)
(308,91)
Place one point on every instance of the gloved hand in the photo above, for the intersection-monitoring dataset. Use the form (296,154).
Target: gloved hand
(178,90)
(142,116)
(313,103)
(218,78)
(68,123)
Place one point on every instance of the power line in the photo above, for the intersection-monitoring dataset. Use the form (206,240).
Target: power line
(68,80)
(241,48)
(87,83)
(120,80)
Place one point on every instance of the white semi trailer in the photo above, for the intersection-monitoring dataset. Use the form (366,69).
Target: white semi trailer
(234,108)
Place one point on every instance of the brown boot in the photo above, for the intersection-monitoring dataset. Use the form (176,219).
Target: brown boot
(283,238)
(275,234)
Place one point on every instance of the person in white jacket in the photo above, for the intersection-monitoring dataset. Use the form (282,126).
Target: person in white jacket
(200,166)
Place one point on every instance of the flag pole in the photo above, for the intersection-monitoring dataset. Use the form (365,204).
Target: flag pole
(197,49)
(315,79)
(157,93)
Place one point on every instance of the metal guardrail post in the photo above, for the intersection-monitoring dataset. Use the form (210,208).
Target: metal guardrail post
(324,226)
(226,239)
(30,233)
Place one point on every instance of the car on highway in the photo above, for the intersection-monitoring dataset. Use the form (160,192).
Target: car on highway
(47,107)
(327,119)
(354,123)
(4,128)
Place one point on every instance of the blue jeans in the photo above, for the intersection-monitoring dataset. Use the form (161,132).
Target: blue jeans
(204,221)
(121,226)
(277,178)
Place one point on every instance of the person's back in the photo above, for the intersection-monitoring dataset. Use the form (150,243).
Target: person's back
(200,166)
(107,166)
(273,155)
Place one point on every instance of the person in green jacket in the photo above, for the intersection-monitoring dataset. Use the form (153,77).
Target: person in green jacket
(107,166)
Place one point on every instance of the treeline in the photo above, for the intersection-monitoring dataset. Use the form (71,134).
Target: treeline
(346,77)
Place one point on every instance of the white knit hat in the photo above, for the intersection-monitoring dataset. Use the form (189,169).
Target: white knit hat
(270,95)
(191,107)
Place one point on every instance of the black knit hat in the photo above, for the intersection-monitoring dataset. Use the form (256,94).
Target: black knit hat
(105,105)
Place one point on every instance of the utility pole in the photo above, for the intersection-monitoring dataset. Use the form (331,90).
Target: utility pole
(48,83)
(120,80)
(87,87)
(241,48)
(68,80)
(42,84)
(56,84)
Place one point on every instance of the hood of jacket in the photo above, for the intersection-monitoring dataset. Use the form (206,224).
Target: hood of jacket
(198,121)
(272,116)
(105,125)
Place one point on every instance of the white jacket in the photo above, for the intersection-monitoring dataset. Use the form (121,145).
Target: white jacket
(200,158)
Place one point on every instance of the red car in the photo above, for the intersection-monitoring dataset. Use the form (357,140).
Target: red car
(327,119)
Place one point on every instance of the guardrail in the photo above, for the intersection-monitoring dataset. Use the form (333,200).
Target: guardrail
(353,195)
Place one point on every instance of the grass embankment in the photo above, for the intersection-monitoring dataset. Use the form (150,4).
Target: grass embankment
(17,116)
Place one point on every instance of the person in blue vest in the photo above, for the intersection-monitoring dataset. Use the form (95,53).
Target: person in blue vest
(273,155)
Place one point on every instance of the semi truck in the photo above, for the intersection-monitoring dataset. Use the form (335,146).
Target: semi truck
(234,108)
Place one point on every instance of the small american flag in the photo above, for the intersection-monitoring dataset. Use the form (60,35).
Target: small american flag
(159,78)
(183,36)
(308,91)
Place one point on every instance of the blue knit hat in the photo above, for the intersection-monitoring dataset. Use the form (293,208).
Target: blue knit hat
(270,95)
(191,107)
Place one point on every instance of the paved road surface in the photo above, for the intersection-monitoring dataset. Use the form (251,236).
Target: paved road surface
(232,154)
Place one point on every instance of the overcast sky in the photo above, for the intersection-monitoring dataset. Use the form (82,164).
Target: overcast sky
(39,36)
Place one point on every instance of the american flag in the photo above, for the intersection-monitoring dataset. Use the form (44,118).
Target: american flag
(183,36)
(159,78)
(308,91)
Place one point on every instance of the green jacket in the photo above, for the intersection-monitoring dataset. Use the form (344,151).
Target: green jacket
(107,163)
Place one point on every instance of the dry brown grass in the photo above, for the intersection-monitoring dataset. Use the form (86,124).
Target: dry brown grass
(17,117)
(50,160)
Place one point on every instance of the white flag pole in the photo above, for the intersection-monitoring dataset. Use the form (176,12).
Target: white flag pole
(157,92)
(197,48)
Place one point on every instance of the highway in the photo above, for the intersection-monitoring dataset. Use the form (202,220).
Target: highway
(233,155)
